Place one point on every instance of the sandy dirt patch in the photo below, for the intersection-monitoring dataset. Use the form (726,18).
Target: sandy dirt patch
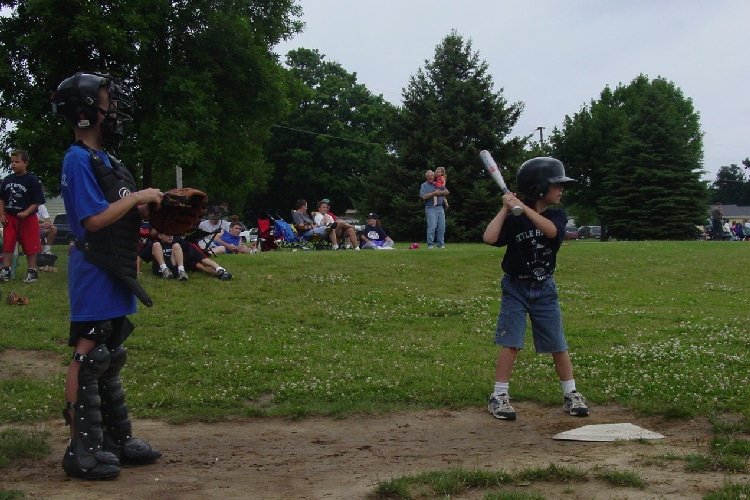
(345,458)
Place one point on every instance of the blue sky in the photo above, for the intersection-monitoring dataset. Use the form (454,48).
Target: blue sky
(555,55)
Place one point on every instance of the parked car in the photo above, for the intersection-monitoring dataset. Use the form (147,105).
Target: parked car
(585,232)
(571,233)
(64,234)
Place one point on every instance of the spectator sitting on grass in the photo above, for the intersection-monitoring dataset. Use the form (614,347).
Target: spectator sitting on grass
(166,257)
(214,224)
(374,236)
(171,256)
(232,241)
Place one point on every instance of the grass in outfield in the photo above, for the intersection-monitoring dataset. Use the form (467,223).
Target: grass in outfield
(657,326)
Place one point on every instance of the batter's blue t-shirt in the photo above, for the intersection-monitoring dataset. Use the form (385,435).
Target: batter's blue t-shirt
(530,254)
(94,294)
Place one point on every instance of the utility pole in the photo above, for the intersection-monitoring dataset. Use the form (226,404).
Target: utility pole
(541,137)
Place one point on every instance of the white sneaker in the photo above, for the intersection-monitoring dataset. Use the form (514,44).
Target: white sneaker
(334,247)
(500,408)
(165,273)
(575,404)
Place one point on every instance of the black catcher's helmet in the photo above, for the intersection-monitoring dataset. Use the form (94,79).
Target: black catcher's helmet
(77,99)
(535,176)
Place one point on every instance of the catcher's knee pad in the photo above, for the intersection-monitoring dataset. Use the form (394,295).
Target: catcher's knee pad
(85,457)
(118,431)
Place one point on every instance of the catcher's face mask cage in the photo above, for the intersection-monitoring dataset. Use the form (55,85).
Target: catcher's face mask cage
(77,99)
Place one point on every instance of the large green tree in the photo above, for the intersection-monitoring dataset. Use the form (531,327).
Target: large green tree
(450,113)
(638,153)
(206,84)
(730,186)
(336,131)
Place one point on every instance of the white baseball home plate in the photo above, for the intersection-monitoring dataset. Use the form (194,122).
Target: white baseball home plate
(608,432)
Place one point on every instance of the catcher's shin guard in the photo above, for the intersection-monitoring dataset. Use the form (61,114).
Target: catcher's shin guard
(118,432)
(85,457)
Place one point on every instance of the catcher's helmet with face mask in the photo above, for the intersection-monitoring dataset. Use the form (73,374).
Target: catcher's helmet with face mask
(537,174)
(77,99)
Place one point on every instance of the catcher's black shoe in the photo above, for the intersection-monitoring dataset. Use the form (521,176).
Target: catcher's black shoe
(100,465)
(132,451)
(223,274)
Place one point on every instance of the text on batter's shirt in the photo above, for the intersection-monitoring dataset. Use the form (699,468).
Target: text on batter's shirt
(531,255)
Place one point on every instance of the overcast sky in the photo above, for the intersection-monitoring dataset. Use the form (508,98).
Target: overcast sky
(555,55)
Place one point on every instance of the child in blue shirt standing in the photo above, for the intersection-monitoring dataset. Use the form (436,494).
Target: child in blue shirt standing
(105,210)
(533,239)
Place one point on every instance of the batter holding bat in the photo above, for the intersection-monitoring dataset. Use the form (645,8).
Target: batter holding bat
(533,231)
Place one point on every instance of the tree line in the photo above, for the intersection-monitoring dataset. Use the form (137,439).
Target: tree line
(258,132)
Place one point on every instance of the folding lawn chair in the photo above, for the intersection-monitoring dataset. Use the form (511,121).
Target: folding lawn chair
(287,237)
(204,239)
(266,237)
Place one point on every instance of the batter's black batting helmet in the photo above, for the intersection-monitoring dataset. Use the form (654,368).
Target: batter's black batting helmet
(535,176)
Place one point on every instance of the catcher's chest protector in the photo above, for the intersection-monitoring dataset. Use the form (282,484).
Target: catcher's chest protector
(115,247)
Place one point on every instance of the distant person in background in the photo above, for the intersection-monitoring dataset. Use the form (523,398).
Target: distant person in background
(232,241)
(434,213)
(439,183)
(717,214)
(344,231)
(20,197)
(307,228)
(166,256)
(47,230)
(374,236)
(214,224)
(738,231)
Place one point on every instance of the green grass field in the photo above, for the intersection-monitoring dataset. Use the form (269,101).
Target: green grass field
(657,326)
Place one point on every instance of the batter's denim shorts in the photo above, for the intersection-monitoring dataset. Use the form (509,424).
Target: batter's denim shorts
(539,301)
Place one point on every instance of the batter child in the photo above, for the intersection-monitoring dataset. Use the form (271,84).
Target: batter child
(20,196)
(533,239)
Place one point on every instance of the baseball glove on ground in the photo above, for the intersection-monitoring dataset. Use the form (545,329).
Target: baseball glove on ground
(180,211)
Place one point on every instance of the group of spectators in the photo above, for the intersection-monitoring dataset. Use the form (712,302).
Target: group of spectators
(342,235)
(27,221)
(721,229)
(172,256)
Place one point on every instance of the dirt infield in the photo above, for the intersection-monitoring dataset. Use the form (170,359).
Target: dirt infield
(345,458)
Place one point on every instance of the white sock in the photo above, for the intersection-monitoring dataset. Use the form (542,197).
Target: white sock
(47,248)
(501,387)
(162,266)
(219,269)
(568,385)
(335,247)
(180,268)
